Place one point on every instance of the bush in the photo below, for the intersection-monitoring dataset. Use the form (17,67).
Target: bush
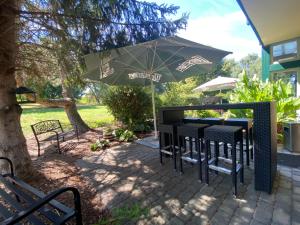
(129,104)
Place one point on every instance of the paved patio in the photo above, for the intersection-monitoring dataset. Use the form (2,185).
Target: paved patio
(131,173)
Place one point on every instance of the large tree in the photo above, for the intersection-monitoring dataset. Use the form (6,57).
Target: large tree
(74,28)
(66,30)
(12,140)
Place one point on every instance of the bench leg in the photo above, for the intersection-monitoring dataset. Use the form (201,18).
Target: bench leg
(39,149)
(58,145)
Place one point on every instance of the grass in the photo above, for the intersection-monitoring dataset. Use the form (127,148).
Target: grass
(93,115)
(123,215)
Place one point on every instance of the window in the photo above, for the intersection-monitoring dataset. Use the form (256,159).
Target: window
(284,51)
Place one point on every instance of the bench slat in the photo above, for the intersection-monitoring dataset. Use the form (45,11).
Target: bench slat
(40,194)
(5,213)
(43,210)
(18,207)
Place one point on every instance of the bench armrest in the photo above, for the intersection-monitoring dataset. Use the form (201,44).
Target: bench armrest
(43,201)
(10,165)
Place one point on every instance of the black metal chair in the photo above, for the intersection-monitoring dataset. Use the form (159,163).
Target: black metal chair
(246,124)
(191,131)
(168,133)
(226,134)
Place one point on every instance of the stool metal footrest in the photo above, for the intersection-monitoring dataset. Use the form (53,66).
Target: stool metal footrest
(166,152)
(225,170)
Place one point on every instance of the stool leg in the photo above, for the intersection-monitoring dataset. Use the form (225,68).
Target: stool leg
(226,150)
(242,163)
(160,153)
(234,182)
(247,148)
(251,142)
(180,153)
(216,154)
(202,145)
(207,147)
(198,148)
(174,152)
(191,147)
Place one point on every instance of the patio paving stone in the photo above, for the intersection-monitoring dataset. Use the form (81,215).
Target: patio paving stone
(131,174)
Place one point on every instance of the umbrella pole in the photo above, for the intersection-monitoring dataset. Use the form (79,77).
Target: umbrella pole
(153,108)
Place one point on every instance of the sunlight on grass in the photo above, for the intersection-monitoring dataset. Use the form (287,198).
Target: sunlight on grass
(93,115)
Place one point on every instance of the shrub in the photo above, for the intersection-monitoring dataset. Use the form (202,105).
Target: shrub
(129,104)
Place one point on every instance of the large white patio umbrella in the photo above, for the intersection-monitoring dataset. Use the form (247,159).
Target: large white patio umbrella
(167,59)
(217,84)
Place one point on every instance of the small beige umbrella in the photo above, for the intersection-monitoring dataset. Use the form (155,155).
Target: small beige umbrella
(217,84)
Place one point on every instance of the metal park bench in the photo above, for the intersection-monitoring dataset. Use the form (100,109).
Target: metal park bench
(50,126)
(21,203)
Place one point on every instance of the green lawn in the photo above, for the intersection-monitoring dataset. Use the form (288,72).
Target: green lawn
(94,116)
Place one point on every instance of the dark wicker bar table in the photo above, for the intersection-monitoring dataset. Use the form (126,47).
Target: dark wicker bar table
(264,136)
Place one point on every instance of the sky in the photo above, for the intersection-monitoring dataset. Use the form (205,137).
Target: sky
(217,23)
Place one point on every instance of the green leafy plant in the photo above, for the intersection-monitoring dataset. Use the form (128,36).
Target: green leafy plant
(123,215)
(99,145)
(124,135)
(254,90)
(129,104)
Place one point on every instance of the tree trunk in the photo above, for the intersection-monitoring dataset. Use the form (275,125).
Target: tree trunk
(71,108)
(12,140)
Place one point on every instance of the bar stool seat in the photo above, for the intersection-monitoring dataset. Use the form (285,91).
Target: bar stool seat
(227,135)
(196,132)
(246,124)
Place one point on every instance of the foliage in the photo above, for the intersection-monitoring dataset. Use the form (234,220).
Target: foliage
(180,93)
(123,215)
(127,136)
(99,145)
(61,32)
(208,114)
(129,104)
(254,90)
(95,116)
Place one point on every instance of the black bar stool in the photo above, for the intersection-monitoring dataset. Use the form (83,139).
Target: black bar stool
(196,132)
(169,132)
(227,135)
(246,124)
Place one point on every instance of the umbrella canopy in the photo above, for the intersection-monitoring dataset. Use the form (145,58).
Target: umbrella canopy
(217,84)
(167,59)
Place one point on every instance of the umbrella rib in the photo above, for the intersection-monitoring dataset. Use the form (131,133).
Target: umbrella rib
(128,66)
(141,64)
(172,56)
